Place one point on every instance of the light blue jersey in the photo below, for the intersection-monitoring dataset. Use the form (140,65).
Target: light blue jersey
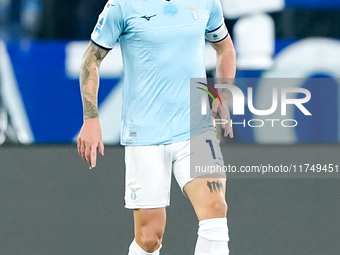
(162,45)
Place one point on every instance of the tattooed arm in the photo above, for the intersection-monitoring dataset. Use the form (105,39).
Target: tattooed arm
(89,79)
(90,134)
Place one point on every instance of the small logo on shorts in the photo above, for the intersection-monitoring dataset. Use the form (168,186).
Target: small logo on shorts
(133,193)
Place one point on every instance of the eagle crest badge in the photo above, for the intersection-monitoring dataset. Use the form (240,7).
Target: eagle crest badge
(193,11)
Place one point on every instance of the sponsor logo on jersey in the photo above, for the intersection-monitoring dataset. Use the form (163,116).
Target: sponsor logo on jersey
(148,17)
(193,11)
(101,22)
(98,28)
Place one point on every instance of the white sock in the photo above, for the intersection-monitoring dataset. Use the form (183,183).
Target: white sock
(212,237)
(135,249)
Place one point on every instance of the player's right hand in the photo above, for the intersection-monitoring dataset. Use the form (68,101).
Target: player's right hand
(223,111)
(90,137)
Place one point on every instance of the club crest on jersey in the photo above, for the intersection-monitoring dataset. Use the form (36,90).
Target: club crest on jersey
(193,11)
(133,193)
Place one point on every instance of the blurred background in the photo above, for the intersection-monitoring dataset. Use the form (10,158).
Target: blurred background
(42,43)
(50,203)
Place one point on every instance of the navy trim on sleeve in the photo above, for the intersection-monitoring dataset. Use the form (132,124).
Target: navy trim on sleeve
(214,29)
(100,45)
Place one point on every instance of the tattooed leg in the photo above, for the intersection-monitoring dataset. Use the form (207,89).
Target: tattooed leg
(215,186)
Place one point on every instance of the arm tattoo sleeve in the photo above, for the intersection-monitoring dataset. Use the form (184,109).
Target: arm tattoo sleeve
(89,79)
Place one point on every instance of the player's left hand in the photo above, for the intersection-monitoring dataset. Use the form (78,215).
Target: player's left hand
(224,113)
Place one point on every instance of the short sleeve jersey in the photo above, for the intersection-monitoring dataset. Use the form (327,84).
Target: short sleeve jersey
(162,44)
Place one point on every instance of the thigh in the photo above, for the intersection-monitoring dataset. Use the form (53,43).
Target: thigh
(205,188)
(207,196)
(194,158)
(148,177)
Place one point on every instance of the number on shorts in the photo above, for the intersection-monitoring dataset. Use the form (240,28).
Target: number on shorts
(212,148)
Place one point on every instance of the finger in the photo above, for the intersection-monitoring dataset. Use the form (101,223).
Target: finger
(229,129)
(82,149)
(93,158)
(78,145)
(224,116)
(88,153)
(231,133)
(101,148)
(226,131)
(214,108)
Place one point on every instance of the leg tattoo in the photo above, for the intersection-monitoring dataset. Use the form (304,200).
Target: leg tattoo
(210,186)
(215,186)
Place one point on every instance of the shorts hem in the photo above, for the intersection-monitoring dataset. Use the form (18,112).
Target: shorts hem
(147,206)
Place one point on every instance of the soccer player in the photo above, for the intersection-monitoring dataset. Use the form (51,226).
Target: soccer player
(162,45)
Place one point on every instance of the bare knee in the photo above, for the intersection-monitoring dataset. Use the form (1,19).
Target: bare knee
(150,239)
(219,208)
(214,209)
(149,228)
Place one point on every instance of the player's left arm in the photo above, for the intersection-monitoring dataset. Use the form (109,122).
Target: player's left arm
(225,71)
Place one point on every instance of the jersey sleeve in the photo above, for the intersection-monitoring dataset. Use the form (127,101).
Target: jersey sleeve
(216,30)
(109,26)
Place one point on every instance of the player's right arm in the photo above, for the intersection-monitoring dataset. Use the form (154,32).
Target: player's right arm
(90,134)
(217,34)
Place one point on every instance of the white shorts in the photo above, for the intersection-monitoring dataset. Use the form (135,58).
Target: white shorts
(149,168)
